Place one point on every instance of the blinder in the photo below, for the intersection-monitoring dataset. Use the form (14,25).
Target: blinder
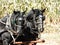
(20,19)
(41,17)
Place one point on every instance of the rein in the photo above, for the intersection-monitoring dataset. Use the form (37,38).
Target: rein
(8,25)
(11,32)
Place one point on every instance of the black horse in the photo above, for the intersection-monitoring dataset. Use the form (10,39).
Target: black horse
(35,20)
(16,21)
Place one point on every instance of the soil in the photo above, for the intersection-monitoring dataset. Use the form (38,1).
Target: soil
(50,38)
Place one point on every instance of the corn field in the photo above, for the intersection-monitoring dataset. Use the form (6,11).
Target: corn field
(52,12)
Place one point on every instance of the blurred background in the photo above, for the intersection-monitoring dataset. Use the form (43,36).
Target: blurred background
(52,14)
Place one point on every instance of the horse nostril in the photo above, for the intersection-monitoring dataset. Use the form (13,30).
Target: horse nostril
(42,30)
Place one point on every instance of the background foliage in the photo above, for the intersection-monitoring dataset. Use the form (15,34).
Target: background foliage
(52,12)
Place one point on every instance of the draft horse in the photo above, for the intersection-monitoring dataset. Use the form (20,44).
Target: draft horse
(35,20)
(14,26)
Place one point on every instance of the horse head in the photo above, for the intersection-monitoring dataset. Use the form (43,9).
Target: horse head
(17,21)
(36,17)
(40,17)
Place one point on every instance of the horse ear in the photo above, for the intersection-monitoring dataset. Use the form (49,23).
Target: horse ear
(43,10)
(14,12)
(33,10)
(24,11)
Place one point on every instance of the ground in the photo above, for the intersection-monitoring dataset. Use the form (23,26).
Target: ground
(50,38)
